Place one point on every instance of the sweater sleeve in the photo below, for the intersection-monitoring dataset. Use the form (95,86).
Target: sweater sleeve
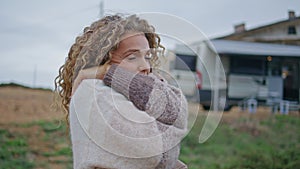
(148,93)
(165,103)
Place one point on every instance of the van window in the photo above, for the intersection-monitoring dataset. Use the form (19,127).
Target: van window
(185,62)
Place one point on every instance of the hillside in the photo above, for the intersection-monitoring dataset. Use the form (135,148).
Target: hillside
(20,104)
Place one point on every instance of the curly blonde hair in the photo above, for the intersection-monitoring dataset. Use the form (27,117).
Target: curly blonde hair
(94,47)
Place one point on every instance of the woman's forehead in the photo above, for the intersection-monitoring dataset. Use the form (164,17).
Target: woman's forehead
(134,42)
(131,34)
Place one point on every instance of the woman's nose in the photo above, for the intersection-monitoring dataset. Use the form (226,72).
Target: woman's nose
(144,67)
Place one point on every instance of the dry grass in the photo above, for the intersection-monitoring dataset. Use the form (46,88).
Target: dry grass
(19,105)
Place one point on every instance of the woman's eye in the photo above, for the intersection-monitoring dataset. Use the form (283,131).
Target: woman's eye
(148,56)
(131,57)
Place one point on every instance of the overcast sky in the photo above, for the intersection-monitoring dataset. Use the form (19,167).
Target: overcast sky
(37,34)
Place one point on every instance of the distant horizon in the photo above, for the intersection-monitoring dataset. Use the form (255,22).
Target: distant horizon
(14,84)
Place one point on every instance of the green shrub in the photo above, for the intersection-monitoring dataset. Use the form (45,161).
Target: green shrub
(13,152)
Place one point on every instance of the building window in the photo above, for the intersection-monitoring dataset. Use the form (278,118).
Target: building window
(292,30)
(247,65)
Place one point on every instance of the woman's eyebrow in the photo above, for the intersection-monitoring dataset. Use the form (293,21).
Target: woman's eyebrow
(129,51)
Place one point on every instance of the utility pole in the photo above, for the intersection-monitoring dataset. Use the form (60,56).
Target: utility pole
(101,9)
(34,76)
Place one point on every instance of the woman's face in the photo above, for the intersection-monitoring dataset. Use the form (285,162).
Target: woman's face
(133,53)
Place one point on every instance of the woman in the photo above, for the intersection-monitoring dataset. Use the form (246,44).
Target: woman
(122,115)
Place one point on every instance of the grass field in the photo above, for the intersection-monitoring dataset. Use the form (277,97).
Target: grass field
(246,143)
(42,144)
(32,137)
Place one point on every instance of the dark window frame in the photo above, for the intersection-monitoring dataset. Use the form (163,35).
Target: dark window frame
(251,65)
(292,30)
(189,60)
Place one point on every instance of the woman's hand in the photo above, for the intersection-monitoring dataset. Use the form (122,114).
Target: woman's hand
(97,72)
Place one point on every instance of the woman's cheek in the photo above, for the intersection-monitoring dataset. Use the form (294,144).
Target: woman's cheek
(128,66)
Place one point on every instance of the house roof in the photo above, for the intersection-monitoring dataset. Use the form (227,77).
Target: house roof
(255,48)
(246,32)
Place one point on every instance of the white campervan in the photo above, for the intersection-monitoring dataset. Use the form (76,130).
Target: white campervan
(244,70)
(199,73)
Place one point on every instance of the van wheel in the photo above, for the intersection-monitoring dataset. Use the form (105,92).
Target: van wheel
(226,108)
(206,107)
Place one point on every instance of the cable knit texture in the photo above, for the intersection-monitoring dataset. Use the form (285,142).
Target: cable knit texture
(130,121)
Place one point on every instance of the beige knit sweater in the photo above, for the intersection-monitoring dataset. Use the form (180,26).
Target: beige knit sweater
(127,121)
